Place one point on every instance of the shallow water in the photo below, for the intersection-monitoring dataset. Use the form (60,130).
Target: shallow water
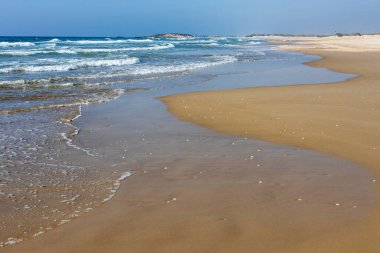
(289,187)
(54,169)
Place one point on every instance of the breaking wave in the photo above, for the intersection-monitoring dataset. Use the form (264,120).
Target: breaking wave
(71,66)
(16,44)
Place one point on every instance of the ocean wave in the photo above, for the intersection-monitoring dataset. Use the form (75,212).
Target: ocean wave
(126,49)
(115,62)
(54,50)
(71,65)
(255,43)
(151,70)
(218,60)
(18,53)
(194,41)
(213,44)
(140,40)
(49,50)
(86,42)
(61,51)
(16,44)
(53,40)
(106,77)
(13,83)
(35,83)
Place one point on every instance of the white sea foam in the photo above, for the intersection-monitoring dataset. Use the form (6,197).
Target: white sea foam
(255,43)
(44,82)
(65,50)
(124,175)
(110,50)
(218,60)
(54,40)
(115,62)
(71,199)
(16,44)
(69,141)
(151,70)
(13,82)
(19,52)
(50,50)
(213,44)
(194,42)
(12,240)
(34,52)
(116,185)
(86,42)
(140,40)
(51,45)
(71,65)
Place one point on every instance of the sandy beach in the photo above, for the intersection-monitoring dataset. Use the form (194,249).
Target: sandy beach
(340,119)
(271,169)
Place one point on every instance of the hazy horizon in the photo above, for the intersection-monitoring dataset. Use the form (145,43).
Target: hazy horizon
(224,17)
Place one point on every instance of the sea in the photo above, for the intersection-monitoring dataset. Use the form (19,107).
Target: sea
(61,71)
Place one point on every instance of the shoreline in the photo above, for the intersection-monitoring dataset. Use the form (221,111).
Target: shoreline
(340,119)
(173,104)
(200,191)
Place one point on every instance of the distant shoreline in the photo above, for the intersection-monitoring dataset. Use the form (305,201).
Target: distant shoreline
(186,35)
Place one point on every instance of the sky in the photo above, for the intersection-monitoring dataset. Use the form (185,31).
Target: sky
(200,17)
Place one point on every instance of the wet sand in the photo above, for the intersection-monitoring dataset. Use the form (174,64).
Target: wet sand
(194,190)
(341,119)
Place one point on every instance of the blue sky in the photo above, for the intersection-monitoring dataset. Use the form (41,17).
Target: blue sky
(224,17)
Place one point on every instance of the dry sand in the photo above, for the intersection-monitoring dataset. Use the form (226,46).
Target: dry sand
(220,206)
(341,119)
